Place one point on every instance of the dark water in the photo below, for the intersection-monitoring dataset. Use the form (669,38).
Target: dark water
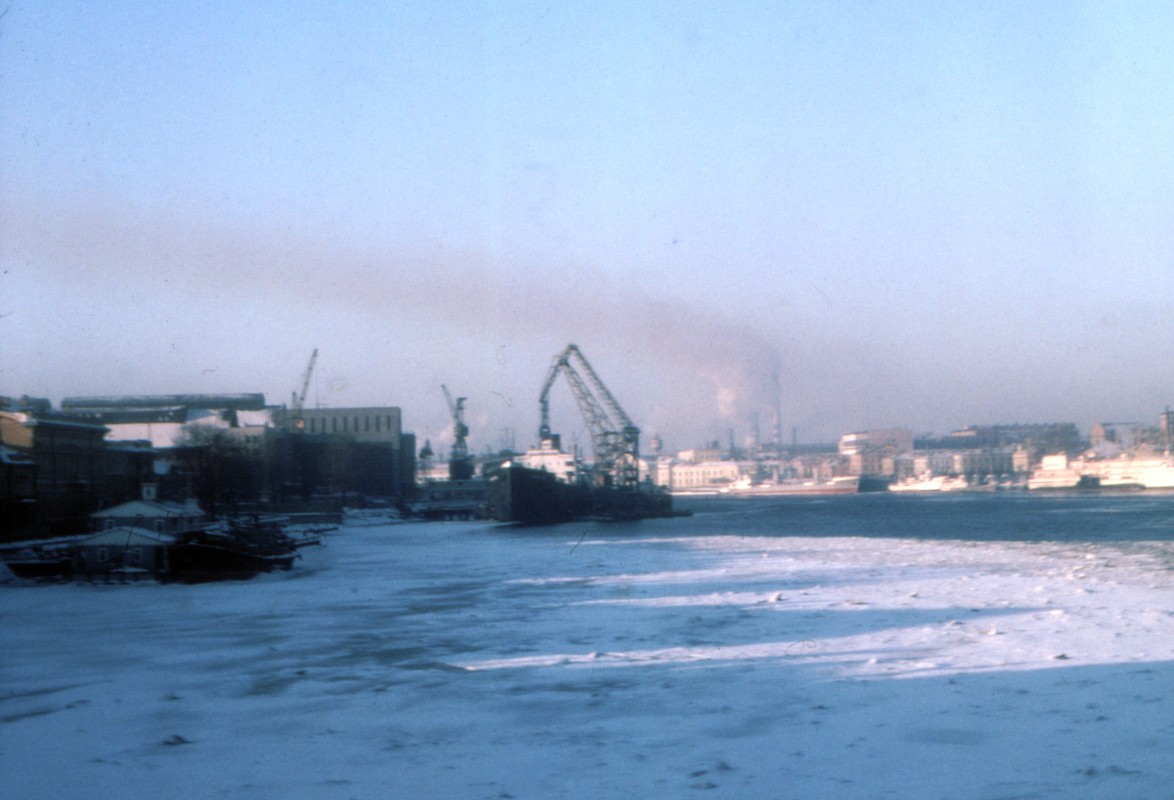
(995,516)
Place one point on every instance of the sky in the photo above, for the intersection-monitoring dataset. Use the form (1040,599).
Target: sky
(862,214)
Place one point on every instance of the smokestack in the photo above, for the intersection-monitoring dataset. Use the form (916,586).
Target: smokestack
(778,415)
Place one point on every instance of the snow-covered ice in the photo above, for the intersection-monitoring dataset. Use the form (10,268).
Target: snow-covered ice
(464,660)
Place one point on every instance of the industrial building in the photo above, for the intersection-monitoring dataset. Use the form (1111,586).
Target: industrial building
(57,468)
(368,424)
(232,452)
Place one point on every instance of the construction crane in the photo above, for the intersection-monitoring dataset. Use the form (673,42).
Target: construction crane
(614,438)
(299,400)
(459,466)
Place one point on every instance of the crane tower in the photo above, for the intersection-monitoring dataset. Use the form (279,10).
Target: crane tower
(299,400)
(460,467)
(614,438)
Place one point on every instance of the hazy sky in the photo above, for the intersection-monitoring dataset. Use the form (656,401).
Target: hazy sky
(918,214)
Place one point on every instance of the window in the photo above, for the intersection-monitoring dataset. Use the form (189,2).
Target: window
(377,421)
(103,554)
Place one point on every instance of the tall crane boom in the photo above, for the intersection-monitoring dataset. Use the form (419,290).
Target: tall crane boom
(614,438)
(299,400)
(459,466)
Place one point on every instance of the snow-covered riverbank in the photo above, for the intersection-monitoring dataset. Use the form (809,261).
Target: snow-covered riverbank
(462,660)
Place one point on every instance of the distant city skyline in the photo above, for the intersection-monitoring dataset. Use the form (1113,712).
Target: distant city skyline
(758,435)
(915,214)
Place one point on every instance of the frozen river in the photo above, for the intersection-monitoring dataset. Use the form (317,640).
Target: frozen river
(802,650)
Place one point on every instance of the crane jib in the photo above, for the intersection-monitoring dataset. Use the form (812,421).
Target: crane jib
(615,439)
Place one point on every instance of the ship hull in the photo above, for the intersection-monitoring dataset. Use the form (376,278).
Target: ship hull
(847,485)
(1133,473)
(535,497)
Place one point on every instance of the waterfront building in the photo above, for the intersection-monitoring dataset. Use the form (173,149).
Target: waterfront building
(1049,437)
(700,455)
(167,421)
(978,464)
(814,467)
(355,449)
(369,424)
(69,462)
(893,440)
(688,476)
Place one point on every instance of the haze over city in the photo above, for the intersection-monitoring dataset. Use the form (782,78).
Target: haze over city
(906,214)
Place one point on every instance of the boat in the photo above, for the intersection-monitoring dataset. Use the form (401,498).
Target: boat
(50,560)
(931,483)
(214,550)
(697,491)
(370,517)
(1133,472)
(536,497)
(466,498)
(745,487)
(546,485)
(231,549)
(644,501)
(1122,473)
(1056,472)
(529,496)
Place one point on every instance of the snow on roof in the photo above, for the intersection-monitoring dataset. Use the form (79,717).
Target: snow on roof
(149,509)
(168,434)
(262,418)
(205,416)
(127,537)
(53,420)
(161,435)
(248,400)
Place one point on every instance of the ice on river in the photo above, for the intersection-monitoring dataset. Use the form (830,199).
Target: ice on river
(464,660)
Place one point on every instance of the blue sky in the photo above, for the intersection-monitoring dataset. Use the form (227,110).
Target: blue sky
(917,214)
